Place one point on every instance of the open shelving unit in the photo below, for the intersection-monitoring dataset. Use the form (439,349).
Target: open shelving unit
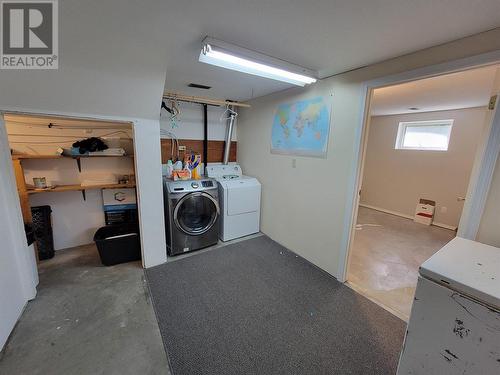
(25,191)
(81,188)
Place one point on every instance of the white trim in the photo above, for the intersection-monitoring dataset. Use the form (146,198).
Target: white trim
(481,179)
(445,226)
(395,213)
(361,135)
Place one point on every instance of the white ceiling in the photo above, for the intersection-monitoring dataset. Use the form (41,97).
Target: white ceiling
(330,36)
(468,89)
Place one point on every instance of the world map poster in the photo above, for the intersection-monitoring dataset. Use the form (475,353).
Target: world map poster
(301,128)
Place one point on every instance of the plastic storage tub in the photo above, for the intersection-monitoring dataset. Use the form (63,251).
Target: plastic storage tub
(118,243)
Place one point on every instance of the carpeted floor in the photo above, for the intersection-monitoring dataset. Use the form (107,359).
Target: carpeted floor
(254,307)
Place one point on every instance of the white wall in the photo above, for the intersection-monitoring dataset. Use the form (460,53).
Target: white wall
(305,208)
(112,66)
(190,122)
(395,180)
(16,281)
(150,192)
(112,61)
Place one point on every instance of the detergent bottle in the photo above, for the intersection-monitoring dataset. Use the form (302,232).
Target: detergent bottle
(170,169)
(195,166)
(186,168)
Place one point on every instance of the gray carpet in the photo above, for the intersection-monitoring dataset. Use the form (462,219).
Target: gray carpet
(254,307)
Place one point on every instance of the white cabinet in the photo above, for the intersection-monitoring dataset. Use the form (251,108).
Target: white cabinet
(454,326)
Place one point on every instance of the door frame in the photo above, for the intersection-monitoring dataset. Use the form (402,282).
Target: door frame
(151,255)
(484,166)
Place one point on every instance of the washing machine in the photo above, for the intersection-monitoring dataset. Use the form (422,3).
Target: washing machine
(239,197)
(191,214)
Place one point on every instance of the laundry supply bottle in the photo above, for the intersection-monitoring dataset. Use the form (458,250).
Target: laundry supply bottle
(170,168)
(187,169)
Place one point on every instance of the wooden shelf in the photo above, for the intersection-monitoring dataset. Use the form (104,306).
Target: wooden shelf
(25,191)
(24,157)
(79,188)
(74,157)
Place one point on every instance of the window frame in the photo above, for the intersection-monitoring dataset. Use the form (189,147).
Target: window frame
(404,125)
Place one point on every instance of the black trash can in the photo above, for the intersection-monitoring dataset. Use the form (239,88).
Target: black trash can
(42,228)
(118,243)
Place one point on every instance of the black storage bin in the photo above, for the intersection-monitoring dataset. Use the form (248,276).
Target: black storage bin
(42,228)
(30,234)
(118,243)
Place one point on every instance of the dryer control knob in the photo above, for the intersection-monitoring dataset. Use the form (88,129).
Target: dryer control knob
(195,185)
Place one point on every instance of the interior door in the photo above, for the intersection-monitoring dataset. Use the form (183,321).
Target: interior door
(17,285)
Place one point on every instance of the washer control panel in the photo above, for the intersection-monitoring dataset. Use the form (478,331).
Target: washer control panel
(189,185)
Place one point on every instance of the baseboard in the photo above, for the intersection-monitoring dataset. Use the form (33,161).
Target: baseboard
(445,226)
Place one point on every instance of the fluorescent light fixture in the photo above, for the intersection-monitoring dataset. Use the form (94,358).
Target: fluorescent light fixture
(244,61)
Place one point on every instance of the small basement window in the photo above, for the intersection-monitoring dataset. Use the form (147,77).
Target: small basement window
(424,135)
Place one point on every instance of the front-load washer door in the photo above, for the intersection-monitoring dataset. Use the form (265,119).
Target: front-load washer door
(196,213)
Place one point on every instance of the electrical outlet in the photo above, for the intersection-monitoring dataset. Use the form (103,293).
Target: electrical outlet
(182,148)
(444,210)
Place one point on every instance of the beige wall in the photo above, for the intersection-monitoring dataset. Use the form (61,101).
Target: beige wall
(304,208)
(395,180)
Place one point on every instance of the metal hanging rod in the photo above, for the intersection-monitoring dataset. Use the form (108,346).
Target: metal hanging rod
(202,100)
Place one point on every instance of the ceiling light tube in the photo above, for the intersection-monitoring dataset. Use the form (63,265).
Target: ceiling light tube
(213,55)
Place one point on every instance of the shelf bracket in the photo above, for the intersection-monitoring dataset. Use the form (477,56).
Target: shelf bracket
(78,163)
(84,195)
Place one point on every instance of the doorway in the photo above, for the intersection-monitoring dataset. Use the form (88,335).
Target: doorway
(73,177)
(421,145)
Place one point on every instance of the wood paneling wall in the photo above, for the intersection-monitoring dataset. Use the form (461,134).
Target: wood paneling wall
(215,150)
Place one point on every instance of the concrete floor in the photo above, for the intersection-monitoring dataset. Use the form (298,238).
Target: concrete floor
(386,254)
(86,319)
